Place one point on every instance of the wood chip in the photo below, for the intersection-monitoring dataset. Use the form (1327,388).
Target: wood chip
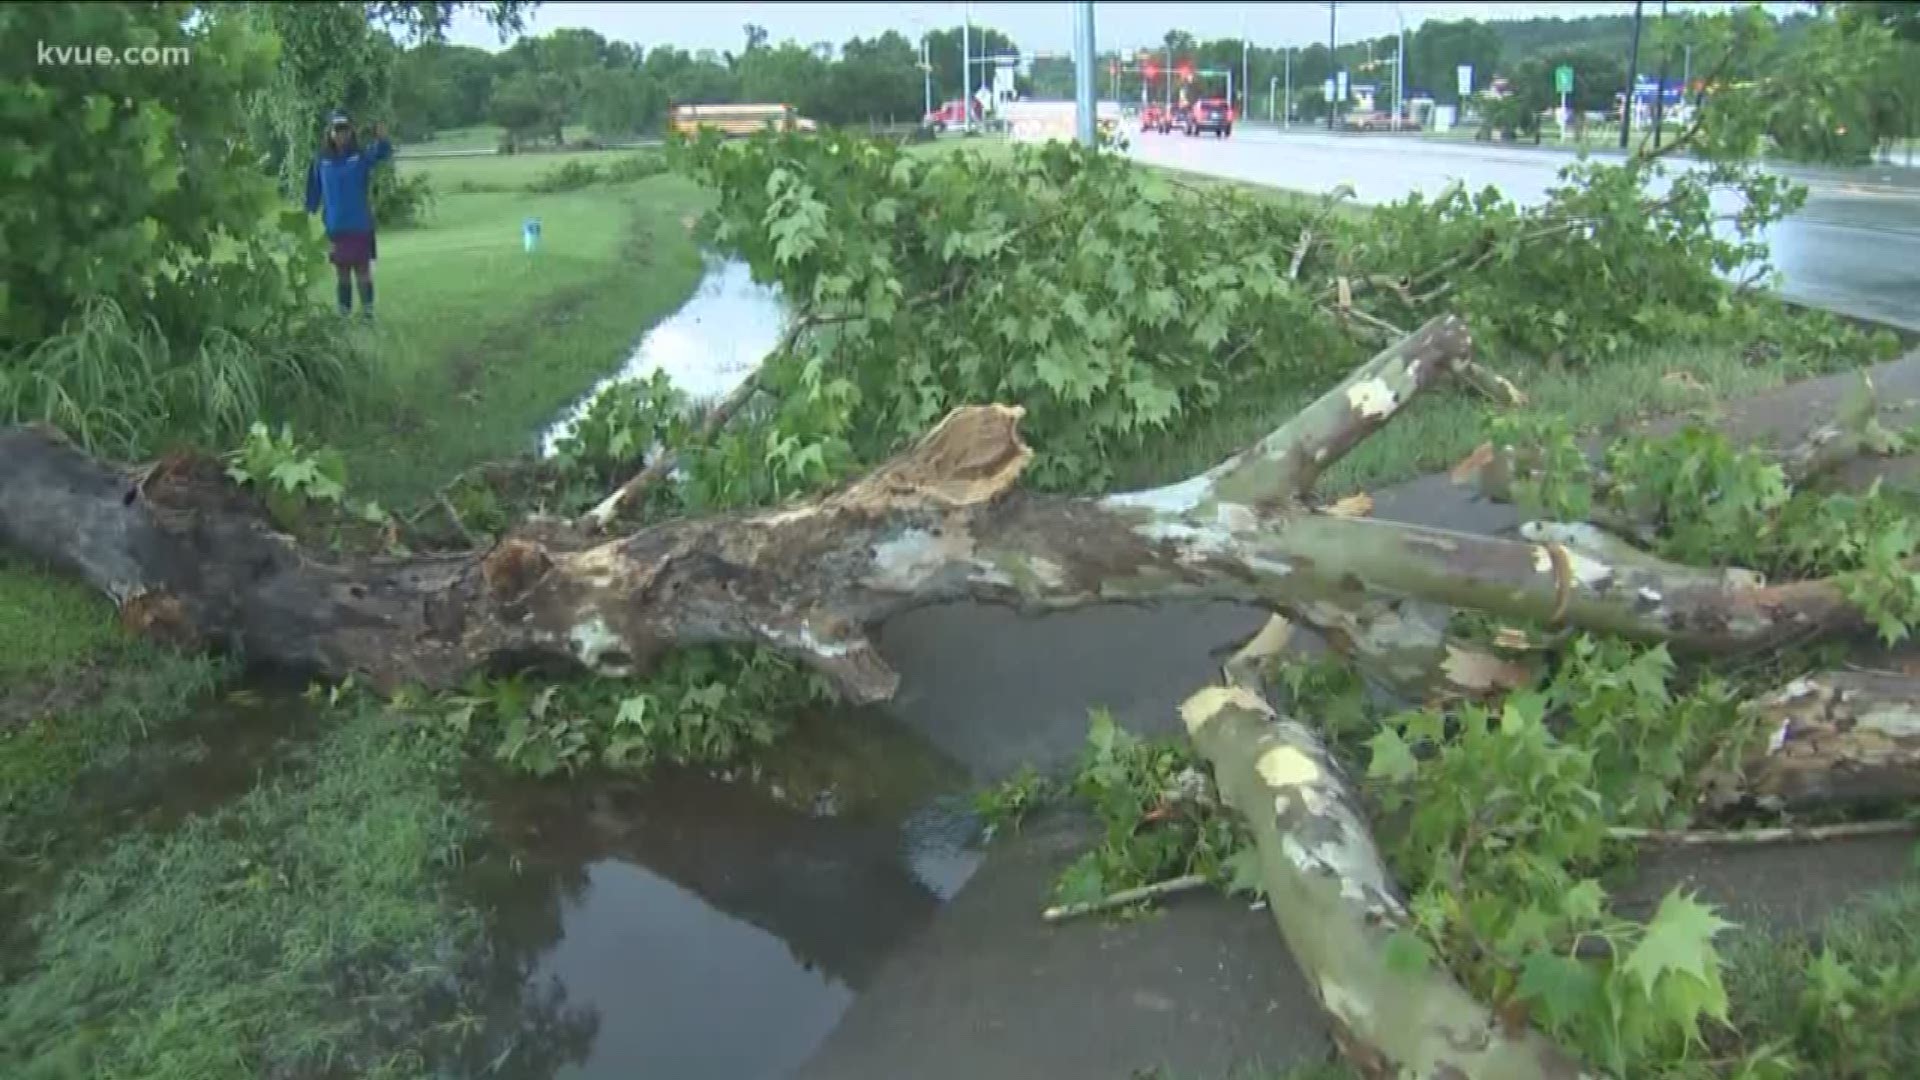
(1470,466)
(1685,380)
(1478,672)
(1508,637)
(1351,507)
(1346,292)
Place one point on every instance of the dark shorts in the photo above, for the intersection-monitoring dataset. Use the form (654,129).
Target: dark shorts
(353,249)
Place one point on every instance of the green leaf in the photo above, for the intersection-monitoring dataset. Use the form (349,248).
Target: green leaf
(1678,939)
(1563,987)
(1392,759)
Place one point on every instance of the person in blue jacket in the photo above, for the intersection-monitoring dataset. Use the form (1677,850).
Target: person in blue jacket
(340,187)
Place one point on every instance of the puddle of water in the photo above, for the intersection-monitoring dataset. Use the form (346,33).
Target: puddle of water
(699,927)
(706,348)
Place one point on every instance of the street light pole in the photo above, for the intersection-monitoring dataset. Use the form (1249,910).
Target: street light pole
(926,72)
(1333,63)
(1633,64)
(1660,91)
(1286,112)
(1083,70)
(1400,71)
(966,70)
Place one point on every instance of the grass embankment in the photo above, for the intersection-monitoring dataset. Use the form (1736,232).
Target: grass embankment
(156,932)
(480,343)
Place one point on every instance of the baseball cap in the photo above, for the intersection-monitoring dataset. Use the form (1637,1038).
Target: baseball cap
(338,119)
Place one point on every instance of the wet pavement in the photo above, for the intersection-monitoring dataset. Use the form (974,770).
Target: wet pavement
(1854,248)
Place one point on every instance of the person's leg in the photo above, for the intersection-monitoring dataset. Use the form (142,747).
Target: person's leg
(364,273)
(343,289)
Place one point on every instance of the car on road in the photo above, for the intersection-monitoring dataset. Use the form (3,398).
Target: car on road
(1155,118)
(1210,114)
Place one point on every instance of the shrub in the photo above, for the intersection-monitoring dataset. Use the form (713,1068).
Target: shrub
(401,202)
(572,176)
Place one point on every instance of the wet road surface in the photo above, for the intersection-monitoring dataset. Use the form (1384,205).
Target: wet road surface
(1853,249)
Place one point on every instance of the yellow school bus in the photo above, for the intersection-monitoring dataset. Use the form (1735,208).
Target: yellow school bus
(738,119)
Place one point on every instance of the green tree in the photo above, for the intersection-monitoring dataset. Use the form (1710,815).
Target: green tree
(622,102)
(530,105)
(1437,50)
(877,78)
(690,80)
(128,181)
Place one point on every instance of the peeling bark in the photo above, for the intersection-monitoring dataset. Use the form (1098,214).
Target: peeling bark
(1839,739)
(1335,902)
(190,558)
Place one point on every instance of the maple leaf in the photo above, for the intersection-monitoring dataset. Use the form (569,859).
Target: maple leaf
(1678,939)
(1563,987)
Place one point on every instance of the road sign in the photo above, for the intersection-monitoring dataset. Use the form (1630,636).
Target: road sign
(1342,76)
(985,97)
(1328,90)
(1466,80)
(1563,79)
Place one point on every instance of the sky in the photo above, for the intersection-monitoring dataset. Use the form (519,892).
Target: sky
(1037,27)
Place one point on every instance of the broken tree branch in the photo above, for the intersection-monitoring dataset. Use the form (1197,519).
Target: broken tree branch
(1838,739)
(193,559)
(1791,834)
(1154,891)
(1335,902)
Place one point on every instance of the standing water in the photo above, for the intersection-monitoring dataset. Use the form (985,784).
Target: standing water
(706,348)
(691,926)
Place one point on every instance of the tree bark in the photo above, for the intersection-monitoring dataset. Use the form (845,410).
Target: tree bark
(1334,900)
(1846,739)
(191,558)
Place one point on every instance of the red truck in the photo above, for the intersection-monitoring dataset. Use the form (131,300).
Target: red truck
(951,114)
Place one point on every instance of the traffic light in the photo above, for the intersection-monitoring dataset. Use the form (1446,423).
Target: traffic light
(1186,71)
(1152,70)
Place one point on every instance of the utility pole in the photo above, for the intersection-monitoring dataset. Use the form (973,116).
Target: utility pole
(1246,80)
(1660,92)
(1273,97)
(966,71)
(926,72)
(1400,71)
(1083,70)
(1633,64)
(1333,64)
(1286,114)
(1169,83)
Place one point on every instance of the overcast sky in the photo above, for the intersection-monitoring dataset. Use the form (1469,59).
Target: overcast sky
(1037,27)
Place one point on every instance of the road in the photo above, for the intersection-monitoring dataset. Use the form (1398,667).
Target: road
(1853,249)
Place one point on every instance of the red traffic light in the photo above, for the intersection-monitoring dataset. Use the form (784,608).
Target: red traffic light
(1186,72)
(1153,70)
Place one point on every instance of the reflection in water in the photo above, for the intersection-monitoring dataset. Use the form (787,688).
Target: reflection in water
(706,348)
(684,990)
(678,926)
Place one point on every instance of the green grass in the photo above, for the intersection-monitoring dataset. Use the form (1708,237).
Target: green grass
(1776,984)
(291,933)
(479,344)
(496,172)
(48,624)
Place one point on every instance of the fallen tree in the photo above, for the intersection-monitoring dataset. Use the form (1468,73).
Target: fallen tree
(192,559)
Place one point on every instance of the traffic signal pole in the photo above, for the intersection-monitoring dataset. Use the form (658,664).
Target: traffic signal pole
(1633,76)
(1083,71)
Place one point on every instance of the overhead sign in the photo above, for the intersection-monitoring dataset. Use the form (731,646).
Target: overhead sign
(1563,79)
(1466,80)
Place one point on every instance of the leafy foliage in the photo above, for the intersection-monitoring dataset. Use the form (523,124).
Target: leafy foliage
(702,706)
(125,183)
(1158,815)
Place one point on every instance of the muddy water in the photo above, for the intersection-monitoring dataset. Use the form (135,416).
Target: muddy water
(696,925)
(707,347)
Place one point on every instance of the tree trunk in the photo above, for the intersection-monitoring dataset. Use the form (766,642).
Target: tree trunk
(191,558)
(1334,901)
